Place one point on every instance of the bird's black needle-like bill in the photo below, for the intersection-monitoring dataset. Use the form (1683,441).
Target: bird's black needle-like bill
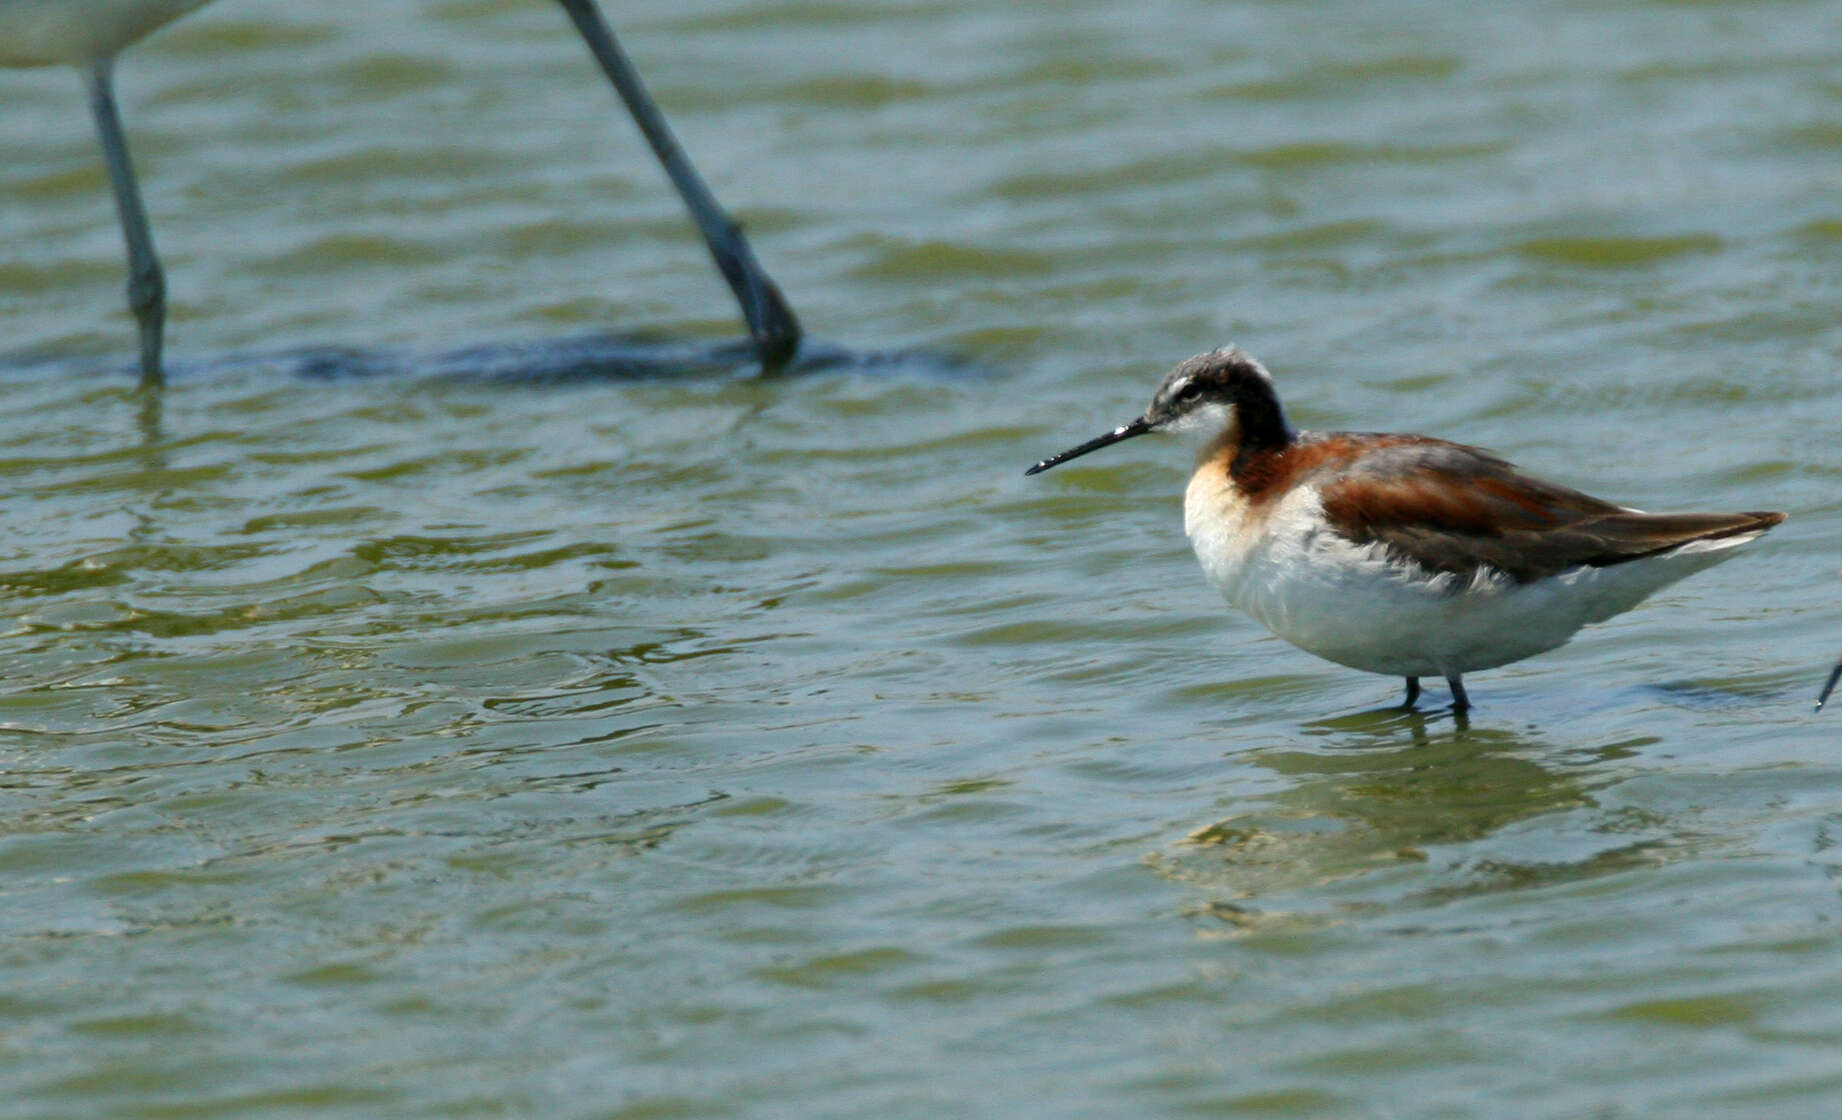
(1125,431)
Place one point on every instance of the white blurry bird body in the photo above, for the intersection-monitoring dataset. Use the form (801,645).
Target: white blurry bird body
(79,32)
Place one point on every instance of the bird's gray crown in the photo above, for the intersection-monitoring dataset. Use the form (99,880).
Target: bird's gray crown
(1225,377)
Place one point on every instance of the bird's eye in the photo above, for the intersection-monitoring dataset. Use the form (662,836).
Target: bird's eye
(1189,392)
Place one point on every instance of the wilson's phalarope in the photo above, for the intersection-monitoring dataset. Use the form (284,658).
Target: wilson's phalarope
(1402,554)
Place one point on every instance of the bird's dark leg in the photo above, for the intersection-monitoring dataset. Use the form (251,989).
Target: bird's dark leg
(146,282)
(1413,692)
(771,323)
(1460,702)
(1829,686)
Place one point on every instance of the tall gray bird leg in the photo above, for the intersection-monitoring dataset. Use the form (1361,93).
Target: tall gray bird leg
(771,323)
(146,281)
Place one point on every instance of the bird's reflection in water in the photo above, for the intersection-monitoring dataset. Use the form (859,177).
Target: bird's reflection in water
(1394,798)
(150,422)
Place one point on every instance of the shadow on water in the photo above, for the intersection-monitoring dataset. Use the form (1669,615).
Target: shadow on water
(1383,793)
(581,359)
(601,358)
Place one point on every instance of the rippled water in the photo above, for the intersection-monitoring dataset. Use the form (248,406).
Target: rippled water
(420,745)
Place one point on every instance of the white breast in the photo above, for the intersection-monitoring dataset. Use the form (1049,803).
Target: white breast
(1282,565)
(1358,606)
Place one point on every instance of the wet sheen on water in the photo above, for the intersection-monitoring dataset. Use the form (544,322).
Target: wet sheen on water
(437,744)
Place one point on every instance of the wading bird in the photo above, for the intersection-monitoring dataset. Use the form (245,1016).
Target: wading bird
(1402,554)
(89,34)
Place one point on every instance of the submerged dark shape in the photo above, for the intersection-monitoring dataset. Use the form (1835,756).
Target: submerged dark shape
(607,357)
(578,359)
(30,37)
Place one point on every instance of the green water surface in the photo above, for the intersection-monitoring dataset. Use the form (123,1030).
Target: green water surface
(414,747)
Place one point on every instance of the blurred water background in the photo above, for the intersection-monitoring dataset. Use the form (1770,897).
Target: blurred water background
(414,745)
